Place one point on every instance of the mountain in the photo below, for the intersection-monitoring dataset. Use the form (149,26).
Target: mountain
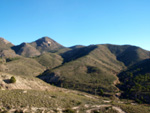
(26,50)
(4,44)
(15,59)
(108,72)
(90,69)
(95,67)
(46,44)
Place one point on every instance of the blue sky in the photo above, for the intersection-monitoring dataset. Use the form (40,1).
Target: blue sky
(72,22)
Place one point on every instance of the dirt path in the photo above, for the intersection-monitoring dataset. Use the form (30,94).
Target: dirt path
(118,109)
(97,107)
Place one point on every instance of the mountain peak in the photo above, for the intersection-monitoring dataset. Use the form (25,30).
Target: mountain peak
(45,40)
(46,44)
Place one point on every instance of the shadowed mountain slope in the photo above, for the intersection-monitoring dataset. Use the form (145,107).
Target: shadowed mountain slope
(77,53)
(127,54)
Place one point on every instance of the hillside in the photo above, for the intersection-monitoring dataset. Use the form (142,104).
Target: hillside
(136,82)
(8,53)
(90,69)
(49,60)
(22,82)
(21,66)
(102,72)
(128,54)
(30,94)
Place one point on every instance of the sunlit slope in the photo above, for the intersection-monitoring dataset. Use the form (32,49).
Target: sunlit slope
(22,82)
(4,44)
(49,60)
(21,66)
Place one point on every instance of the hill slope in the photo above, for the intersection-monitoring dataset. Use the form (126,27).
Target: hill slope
(4,44)
(22,82)
(89,69)
(30,94)
(49,60)
(26,50)
(21,66)
(5,49)
(136,81)
(8,53)
(128,54)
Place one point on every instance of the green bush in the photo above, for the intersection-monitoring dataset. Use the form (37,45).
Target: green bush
(12,79)
(101,92)
(12,59)
(68,111)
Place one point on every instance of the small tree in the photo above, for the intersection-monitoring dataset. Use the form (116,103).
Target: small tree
(12,79)
(101,92)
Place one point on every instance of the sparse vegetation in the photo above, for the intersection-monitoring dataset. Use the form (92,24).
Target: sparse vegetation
(23,66)
(36,98)
(128,108)
(49,60)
